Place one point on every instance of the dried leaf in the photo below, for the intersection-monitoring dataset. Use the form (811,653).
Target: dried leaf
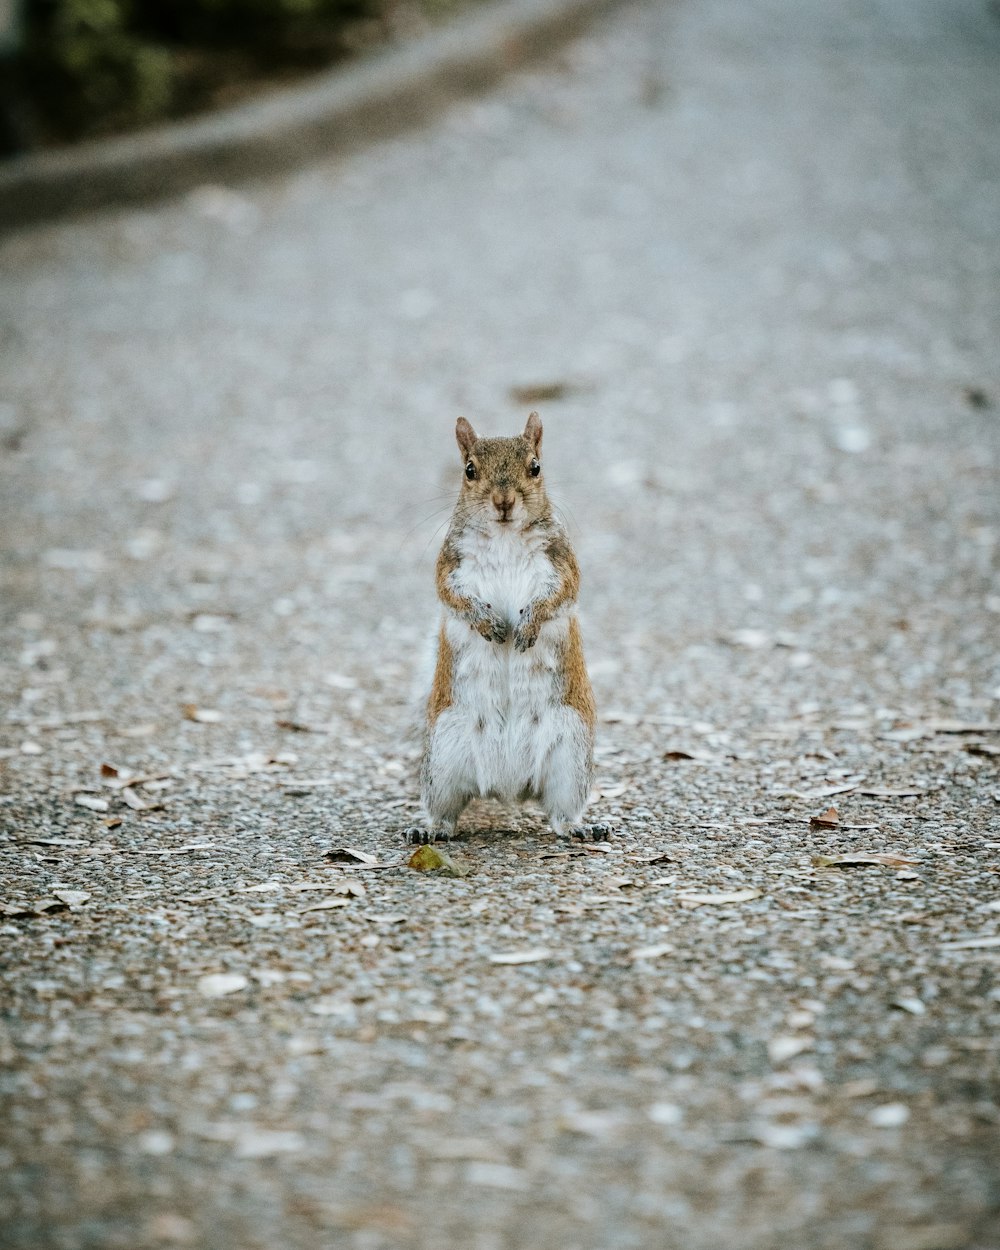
(51,841)
(968,944)
(826,820)
(430,858)
(17,909)
(732,896)
(202,715)
(300,727)
(91,802)
(651,952)
(179,850)
(72,898)
(751,639)
(218,984)
(532,956)
(860,859)
(889,1115)
(912,1005)
(827,792)
(349,855)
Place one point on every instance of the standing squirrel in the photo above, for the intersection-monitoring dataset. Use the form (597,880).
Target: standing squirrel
(511,712)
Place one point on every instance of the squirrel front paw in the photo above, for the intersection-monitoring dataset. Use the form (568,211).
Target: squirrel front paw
(526,633)
(490,624)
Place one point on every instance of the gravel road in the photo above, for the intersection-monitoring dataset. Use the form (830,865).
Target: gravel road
(744,259)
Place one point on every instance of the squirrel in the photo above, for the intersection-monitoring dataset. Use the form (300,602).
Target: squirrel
(511,712)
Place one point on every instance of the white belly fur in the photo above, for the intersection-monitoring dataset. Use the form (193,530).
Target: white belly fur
(506,712)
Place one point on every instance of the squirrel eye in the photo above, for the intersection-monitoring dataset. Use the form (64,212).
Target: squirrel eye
(534,468)
(470,471)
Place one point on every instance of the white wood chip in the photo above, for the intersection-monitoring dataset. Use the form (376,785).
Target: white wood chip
(534,956)
(968,944)
(218,984)
(732,896)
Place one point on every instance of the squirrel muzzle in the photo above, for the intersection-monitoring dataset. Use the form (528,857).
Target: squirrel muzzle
(504,502)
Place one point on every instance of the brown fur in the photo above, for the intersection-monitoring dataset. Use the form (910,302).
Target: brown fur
(440,696)
(578,693)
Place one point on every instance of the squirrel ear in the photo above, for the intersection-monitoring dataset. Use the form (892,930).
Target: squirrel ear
(533,431)
(467,437)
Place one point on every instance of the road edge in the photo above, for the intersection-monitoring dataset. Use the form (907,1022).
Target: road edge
(338,110)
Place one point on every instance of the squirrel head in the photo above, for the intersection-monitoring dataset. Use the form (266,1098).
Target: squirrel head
(502,482)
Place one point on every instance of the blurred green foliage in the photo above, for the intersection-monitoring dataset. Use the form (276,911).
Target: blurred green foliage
(87,67)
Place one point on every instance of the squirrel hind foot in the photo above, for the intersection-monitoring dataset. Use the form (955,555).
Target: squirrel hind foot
(417,835)
(600,832)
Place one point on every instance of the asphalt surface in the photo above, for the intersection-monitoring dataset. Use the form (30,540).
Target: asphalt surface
(752,252)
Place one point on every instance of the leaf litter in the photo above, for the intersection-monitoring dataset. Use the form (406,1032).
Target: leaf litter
(691,899)
(861,859)
(433,859)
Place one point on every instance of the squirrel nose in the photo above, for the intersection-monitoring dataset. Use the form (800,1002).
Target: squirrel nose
(503,501)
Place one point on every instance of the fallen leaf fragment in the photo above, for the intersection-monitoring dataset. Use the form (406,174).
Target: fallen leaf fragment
(534,956)
(431,859)
(889,1115)
(180,850)
(201,715)
(91,802)
(781,1049)
(667,1113)
(968,944)
(327,904)
(825,820)
(350,855)
(51,841)
(731,896)
(72,898)
(218,984)
(17,909)
(827,792)
(651,952)
(859,859)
